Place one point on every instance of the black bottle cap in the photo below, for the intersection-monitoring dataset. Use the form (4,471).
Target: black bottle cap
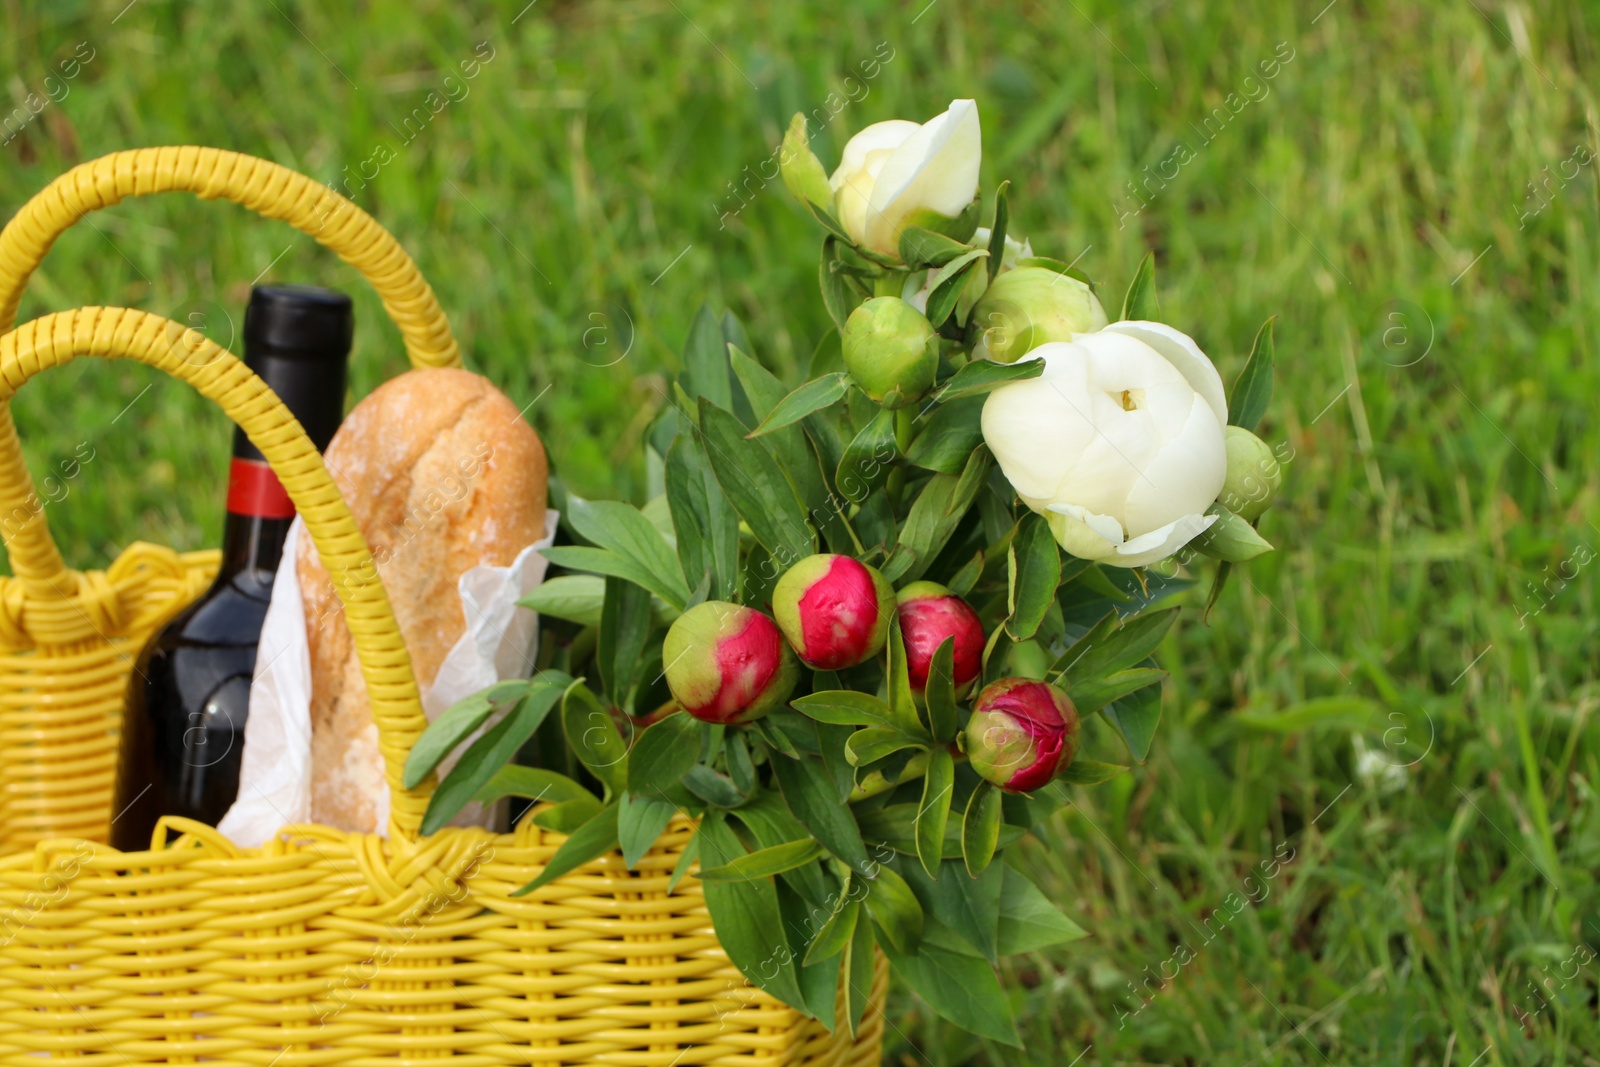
(297,338)
(298,321)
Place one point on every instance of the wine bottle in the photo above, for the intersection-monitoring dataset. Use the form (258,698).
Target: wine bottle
(183,731)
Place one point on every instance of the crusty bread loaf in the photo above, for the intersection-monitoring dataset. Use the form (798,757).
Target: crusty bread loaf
(442,474)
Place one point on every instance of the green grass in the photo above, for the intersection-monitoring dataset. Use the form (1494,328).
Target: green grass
(1383,174)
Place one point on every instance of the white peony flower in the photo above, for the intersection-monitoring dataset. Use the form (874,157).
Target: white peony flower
(1119,443)
(892,170)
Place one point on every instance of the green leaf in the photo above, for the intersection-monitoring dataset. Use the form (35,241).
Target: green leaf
(1252,391)
(487,755)
(940,695)
(758,489)
(964,579)
(534,783)
(953,277)
(819,982)
(980,829)
(827,357)
(828,221)
(444,733)
(588,842)
(1218,583)
(832,738)
(575,597)
(747,917)
(1092,694)
(770,822)
(604,561)
(895,825)
(837,297)
(857,970)
(995,651)
(624,629)
(1028,921)
(935,514)
(997,229)
(925,248)
(713,788)
(623,529)
(981,375)
(938,782)
(686,859)
(1113,645)
(1343,713)
(902,706)
(662,754)
(814,396)
(593,737)
(958,227)
(844,707)
(802,171)
(706,524)
(1135,718)
(1140,303)
(1231,538)
(1089,772)
(868,458)
(799,732)
(705,361)
(895,908)
(835,935)
(765,863)
(1033,572)
(568,816)
(948,436)
(960,988)
(775,738)
(967,907)
(873,744)
(741,769)
(809,791)
(640,820)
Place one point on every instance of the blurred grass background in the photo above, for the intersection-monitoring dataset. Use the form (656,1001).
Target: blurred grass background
(1399,699)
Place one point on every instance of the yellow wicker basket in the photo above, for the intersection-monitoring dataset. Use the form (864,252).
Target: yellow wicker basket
(322,947)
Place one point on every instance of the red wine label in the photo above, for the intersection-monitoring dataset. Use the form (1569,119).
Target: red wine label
(254,490)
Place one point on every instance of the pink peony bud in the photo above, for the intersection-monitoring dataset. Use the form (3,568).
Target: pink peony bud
(1022,732)
(929,615)
(834,610)
(727,664)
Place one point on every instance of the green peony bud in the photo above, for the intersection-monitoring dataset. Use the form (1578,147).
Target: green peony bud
(727,664)
(1254,475)
(801,169)
(1027,307)
(891,351)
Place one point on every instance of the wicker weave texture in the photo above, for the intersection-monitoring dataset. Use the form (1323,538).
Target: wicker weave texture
(328,948)
(68,639)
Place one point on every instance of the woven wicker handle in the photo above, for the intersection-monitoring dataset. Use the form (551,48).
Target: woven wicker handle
(114,333)
(265,188)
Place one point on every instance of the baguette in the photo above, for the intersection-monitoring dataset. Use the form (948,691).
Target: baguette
(442,475)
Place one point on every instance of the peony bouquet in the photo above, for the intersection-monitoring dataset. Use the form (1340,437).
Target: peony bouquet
(862,631)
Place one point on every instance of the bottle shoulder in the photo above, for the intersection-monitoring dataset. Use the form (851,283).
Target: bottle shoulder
(230,613)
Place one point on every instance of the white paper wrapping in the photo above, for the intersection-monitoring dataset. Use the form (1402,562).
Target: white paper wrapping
(500,642)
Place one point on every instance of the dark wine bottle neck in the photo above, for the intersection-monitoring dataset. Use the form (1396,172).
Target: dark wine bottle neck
(252,547)
(258,520)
